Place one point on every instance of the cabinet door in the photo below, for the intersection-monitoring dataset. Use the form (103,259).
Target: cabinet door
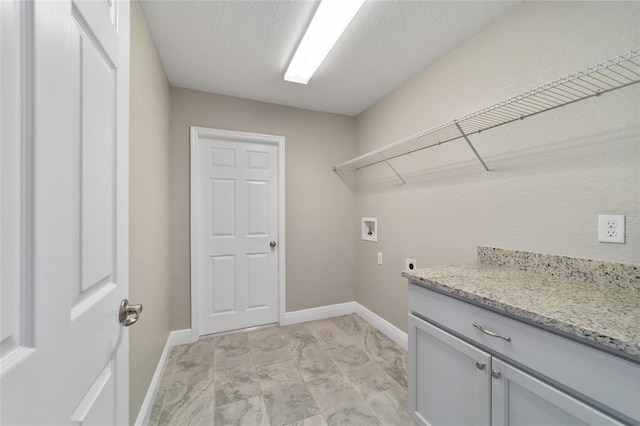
(449,380)
(520,399)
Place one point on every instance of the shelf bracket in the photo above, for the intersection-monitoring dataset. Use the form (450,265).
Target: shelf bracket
(466,138)
(392,168)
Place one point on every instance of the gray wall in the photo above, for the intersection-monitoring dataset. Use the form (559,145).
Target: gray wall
(149,250)
(320,209)
(552,174)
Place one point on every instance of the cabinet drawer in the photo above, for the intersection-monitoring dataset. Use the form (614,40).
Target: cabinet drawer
(607,382)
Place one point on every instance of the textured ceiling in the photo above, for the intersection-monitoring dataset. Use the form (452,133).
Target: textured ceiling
(242,48)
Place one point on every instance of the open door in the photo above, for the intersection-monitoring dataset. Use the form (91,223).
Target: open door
(64,215)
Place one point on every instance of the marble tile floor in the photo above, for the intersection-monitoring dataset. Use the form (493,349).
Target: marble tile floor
(338,371)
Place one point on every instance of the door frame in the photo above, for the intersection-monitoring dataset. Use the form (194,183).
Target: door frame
(241,137)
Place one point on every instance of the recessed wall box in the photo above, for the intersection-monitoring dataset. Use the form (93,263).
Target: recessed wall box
(370,229)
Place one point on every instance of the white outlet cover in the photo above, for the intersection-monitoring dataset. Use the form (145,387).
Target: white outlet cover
(611,228)
(379,258)
(409,263)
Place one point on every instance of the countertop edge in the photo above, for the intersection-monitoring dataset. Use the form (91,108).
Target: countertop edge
(627,350)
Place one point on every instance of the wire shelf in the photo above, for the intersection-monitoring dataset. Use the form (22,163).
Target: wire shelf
(615,73)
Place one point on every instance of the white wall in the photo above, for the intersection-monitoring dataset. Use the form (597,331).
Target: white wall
(552,174)
(149,249)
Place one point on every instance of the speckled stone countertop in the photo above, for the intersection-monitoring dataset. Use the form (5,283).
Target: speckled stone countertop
(594,301)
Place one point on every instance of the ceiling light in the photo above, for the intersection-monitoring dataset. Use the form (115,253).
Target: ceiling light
(328,23)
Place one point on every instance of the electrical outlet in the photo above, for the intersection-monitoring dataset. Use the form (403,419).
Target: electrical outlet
(379,258)
(611,228)
(410,264)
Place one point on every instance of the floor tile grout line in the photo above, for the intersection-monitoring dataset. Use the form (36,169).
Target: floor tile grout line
(320,413)
(349,381)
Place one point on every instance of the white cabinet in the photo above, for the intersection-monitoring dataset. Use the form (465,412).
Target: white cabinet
(459,375)
(518,398)
(449,379)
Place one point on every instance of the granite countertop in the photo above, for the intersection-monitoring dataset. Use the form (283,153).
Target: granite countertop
(593,301)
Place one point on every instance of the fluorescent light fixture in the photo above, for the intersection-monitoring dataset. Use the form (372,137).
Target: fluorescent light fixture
(327,25)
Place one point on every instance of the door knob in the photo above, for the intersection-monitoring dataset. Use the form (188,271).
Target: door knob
(272,244)
(495,373)
(129,314)
(480,365)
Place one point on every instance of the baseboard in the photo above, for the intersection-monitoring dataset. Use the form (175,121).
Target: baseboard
(176,338)
(388,329)
(180,337)
(321,312)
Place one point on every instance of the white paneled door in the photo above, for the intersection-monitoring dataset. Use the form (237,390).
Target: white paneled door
(235,229)
(64,219)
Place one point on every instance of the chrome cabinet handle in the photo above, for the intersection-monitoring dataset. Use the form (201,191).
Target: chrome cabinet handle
(129,314)
(272,244)
(480,365)
(491,333)
(495,373)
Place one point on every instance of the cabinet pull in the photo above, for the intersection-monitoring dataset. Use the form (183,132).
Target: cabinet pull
(491,333)
(495,373)
(480,365)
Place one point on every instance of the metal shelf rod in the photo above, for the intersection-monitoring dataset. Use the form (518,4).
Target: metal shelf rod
(486,169)
(392,168)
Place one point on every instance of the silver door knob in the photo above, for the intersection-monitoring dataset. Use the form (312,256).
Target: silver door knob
(495,373)
(480,365)
(272,244)
(129,314)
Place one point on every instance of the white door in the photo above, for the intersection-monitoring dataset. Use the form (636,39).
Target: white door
(235,228)
(64,270)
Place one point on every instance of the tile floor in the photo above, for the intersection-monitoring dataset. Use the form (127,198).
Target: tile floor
(338,371)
